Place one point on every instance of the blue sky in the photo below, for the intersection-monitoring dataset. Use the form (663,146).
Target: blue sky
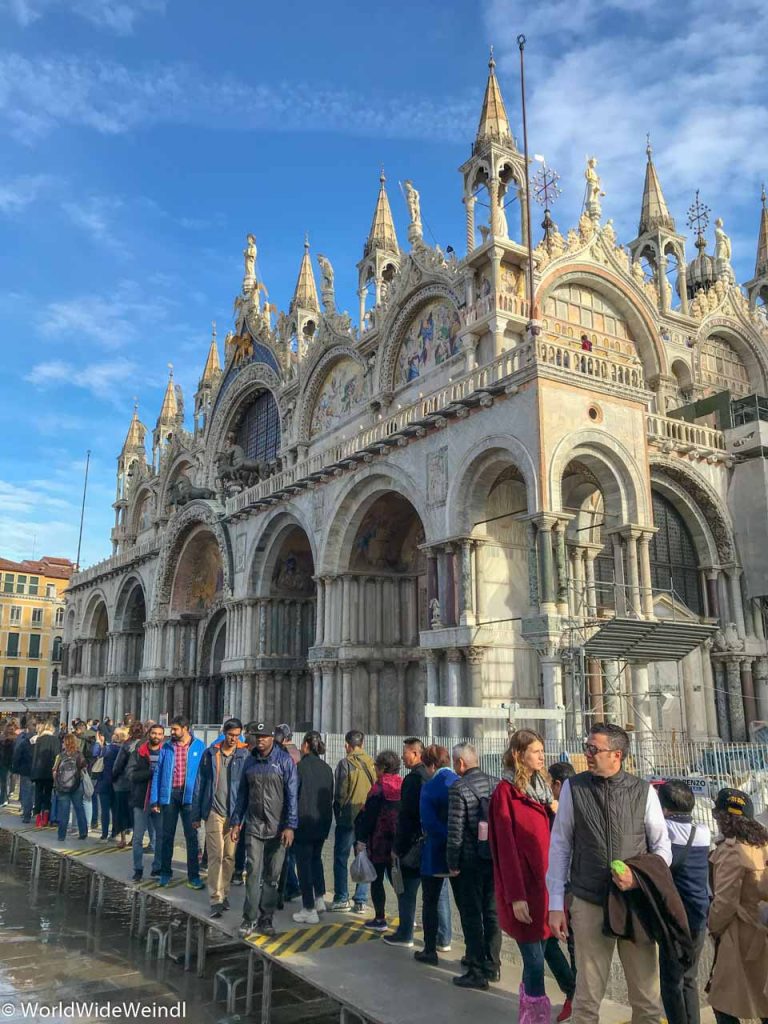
(142,140)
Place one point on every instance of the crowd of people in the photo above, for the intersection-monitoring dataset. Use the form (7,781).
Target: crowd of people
(572,866)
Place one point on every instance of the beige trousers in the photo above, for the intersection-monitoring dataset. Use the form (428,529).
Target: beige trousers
(221,856)
(594,953)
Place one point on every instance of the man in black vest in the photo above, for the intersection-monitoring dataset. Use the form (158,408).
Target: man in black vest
(604,815)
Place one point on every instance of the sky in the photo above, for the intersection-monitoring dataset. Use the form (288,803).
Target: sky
(143,139)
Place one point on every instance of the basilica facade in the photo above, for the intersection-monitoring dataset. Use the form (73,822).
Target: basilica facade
(533,474)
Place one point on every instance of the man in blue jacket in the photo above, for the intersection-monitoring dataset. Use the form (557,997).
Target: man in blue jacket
(214,803)
(267,809)
(21,765)
(172,793)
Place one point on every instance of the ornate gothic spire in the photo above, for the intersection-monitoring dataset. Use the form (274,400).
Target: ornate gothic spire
(134,439)
(654,213)
(382,234)
(212,369)
(494,123)
(305,295)
(761,264)
(170,408)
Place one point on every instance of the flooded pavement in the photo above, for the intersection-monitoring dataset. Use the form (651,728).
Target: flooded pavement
(59,963)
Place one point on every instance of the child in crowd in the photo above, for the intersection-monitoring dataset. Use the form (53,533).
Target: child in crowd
(690,869)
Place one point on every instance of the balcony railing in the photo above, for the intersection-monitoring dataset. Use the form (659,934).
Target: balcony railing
(684,435)
(106,565)
(575,361)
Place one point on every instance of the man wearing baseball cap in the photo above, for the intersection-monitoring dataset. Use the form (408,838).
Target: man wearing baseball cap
(266,809)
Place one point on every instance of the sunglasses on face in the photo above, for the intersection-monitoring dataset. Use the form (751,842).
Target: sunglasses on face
(593,751)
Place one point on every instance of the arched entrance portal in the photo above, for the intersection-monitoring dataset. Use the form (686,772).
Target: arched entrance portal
(124,690)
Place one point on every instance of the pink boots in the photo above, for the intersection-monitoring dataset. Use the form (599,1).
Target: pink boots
(534,1009)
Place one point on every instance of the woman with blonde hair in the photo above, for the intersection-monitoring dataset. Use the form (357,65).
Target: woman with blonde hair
(520,816)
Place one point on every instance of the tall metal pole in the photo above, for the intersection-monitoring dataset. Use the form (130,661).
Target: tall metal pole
(82,508)
(521,44)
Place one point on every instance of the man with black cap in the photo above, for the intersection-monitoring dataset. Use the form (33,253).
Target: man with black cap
(267,810)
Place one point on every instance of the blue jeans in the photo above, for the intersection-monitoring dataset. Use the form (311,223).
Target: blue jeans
(4,774)
(534,955)
(406,908)
(54,816)
(290,880)
(105,807)
(342,847)
(144,821)
(75,801)
(26,797)
(170,818)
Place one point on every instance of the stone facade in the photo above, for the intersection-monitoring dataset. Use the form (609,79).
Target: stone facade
(444,503)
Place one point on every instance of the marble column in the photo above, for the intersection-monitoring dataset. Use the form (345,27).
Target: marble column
(480,612)
(246,699)
(546,566)
(646,588)
(552,679)
(346,697)
(346,610)
(612,702)
(643,718)
(589,573)
(708,685)
(374,674)
(433,677)
(748,693)
(326,718)
(401,668)
(533,568)
(736,716)
(317,696)
(721,700)
(450,616)
(734,593)
(561,566)
(633,572)
(618,566)
(432,581)
(453,688)
(200,702)
(713,596)
(474,656)
(378,612)
(760,672)
(467,610)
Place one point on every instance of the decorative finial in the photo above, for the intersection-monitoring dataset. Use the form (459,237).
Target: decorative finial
(698,220)
(491,61)
(763,196)
(170,371)
(648,149)
(306,241)
(382,175)
(213,330)
(135,404)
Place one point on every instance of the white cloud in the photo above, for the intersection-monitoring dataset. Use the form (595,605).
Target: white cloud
(101,379)
(18,193)
(118,16)
(119,318)
(94,215)
(39,95)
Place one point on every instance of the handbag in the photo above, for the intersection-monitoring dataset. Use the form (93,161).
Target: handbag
(397,877)
(87,786)
(412,859)
(98,766)
(362,869)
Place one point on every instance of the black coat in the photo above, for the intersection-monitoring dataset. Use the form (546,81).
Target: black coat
(409,818)
(315,799)
(464,798)
(21,763)
(44,752)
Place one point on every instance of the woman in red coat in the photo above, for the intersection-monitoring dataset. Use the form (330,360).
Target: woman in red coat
(519,820)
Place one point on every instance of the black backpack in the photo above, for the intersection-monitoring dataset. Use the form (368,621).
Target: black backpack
(67,777)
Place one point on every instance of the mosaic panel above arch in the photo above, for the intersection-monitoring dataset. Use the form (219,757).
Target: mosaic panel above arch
(572,310)
(722,368)
(342,390)
(431,339)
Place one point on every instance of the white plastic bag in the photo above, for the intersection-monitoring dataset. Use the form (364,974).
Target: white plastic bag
(362,870)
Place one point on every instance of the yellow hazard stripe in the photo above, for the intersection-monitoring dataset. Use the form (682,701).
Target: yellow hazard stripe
(308,940)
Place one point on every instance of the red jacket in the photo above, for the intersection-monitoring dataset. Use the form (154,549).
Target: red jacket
(518,830)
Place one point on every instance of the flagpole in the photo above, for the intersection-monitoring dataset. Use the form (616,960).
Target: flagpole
(82,509)
(521,43)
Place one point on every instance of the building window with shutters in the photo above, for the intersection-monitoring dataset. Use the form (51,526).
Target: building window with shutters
(59,617)
(31,689)
(10,682)
(8,581)
(34,645)
(15,618)
(13,645)
(34,586)
(56,650)
(37,616)
(21,584)
(55,683)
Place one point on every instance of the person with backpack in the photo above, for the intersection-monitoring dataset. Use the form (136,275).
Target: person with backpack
(104,788)
(68,769)
(21,765)
(690,871)
(468,855)
(45,749)
(355,774)
(142,765)
(375,828)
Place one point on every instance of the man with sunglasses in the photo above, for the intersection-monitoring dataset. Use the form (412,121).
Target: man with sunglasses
(605,815)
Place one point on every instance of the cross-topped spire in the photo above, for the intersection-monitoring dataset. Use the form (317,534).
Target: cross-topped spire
(494,123)
(698,221)
(170,407)
(305,293)
(761,264)
(212,367)
(382,234)
(654,213)
(135,437)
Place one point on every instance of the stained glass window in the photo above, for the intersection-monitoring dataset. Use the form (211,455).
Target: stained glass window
(673,555)
(259,431)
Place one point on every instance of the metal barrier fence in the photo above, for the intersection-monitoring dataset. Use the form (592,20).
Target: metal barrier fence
(706,766)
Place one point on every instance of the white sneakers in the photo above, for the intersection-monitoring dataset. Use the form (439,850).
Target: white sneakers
(320,906)
(306,917)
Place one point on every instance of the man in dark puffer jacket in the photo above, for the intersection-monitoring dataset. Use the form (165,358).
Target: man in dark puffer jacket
(471,868)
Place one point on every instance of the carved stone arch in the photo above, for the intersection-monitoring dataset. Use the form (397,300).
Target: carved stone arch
(124,594)
(747,345)
(394,331)
(209,628)
(618,474)
(515,171)
(352,503)
(146,490)
(315,381)
(95,599)
(255,377)
(196,512)
(483,461)
(640,313)
(474,179)
(692,513)
(267,544)
(701,495)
